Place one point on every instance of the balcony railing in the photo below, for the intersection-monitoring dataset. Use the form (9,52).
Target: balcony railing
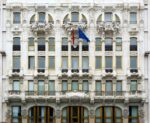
(40,93)
(85,70)
(16,47)
(64,70)
(75,70)
(133,47)
(108,70)
(41,70)
(134,70)
(14,92)
(16,70)
(64,48)
(109,93)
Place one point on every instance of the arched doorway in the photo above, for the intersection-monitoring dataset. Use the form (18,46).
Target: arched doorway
(75,114)
(41,114)
(108,114)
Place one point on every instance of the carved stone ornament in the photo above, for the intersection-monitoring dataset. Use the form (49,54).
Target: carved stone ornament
(125,113)
(108,26)
(58,113)
(92,113)
(8,114)
(41,27)
(141,113)
(24,113)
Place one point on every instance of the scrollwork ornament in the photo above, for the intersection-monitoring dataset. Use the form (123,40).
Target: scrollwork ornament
(125,113)
(141,113)
(58,113)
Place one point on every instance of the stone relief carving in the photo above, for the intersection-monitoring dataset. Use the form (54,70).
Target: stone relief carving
(125,113)
(141,113)
(58,113)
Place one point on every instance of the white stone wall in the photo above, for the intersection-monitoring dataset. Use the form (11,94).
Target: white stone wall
(58,11)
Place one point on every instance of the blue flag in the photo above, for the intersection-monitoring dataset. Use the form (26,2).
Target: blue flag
(82,35)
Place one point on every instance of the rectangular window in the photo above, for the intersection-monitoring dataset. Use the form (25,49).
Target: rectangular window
(64,86)
(16,114)
(16,63)
(16,44)
(85,46)
(108,88)
(133,86)
(74,85)
(119,87)
(108,16)
(85,86)
(41,44)
(85,62)
(31,44)
(98,87)
(133,114)
(16,17)
(52,87)
(64,44)
(118,44)
(98,62)
(31,85)
(41,62)
(64,62)
(41,17)
(108,62)
(41,87)
(133,18)
(133,44)
(98,44)
(51,44)
(51,62)
(16,85)
(108,44)
(133,62)
(31,62)
(75,62)
(118,62)
(74,16)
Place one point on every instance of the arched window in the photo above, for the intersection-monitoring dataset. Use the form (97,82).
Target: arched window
(108,114)
(32,20)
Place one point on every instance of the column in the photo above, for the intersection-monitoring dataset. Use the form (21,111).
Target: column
(58,116)
(46,56)
(1,111)
(24,114)
(91,116)
(125,115)
(36,55)
(69,56)
(80,56)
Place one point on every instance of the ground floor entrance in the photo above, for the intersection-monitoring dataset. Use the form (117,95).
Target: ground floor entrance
(41,114)
(75,114)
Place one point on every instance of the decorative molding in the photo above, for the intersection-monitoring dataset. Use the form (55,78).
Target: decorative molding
(125,113)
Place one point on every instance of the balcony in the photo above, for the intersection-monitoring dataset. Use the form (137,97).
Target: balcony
(64,70)
(16,70)
(113,26)
(39,27)
(136,96)
(85,70)
(40,93)
(134,72)
(41,70)
(14,92)
(14,95)
(108,70)
(75,70)
(109,93)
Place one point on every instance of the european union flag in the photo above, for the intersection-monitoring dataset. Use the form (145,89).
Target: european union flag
(82,35)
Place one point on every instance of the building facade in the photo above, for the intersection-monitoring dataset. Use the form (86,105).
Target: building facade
(44,78)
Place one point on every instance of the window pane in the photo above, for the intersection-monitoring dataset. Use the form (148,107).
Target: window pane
(98,86)
(98,63)
(41,41)
(31,85)
(41,86)
(41,17)
(52,44)
(31,63)
(98,44)
(64,41)
(16,111)
(85,62)
(108,62)
(74,85)
(133,62)
(75,62)
(133,41)
(118,62)
(64,85)
(51,62)
(133,86)
(16,17)
(118,44)
(133,17)
(75,16)
(108,41)
(16,41)
(16,62)
(119,86)
(85,86)
(51,85)
(108,16)
(41,62)
(16,85)
(64,62)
